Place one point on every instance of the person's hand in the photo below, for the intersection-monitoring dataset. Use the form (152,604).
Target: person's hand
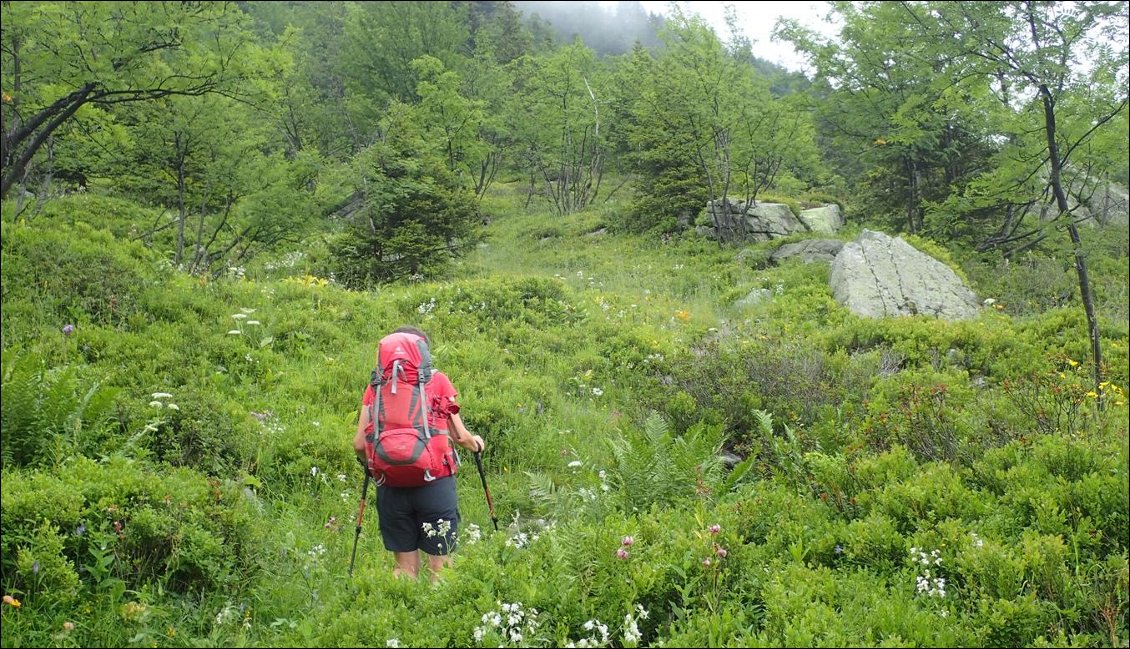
(477,444)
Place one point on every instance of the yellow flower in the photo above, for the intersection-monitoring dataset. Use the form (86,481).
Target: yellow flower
(683,315)
(1092,394)
(1072,363)
(12,601)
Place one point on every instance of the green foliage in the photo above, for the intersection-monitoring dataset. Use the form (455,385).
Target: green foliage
(413,220)
(654,467)
(48,413)
(75,275)
(209,498)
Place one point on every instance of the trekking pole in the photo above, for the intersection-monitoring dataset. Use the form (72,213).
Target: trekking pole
(483,477)
(360,517)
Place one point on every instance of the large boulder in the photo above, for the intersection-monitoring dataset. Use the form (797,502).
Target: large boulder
(878,276)
(825,219)
(809,251)
(758,222)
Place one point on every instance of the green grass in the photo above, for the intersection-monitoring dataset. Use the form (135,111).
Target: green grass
(604,370)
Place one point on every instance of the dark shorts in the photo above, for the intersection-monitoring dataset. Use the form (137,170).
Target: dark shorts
(411,517)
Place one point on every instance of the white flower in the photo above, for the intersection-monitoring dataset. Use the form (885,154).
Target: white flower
(239,316)
(597,391)
(173,406)
(161,395)
(575,464)
(253,322)
(234,332)
(156,404)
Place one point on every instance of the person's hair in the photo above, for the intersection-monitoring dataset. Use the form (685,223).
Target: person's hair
(412,330)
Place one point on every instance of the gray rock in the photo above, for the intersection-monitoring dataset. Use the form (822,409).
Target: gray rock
(877,276)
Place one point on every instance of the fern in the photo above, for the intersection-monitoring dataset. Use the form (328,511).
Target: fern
(44,411)
(655,468)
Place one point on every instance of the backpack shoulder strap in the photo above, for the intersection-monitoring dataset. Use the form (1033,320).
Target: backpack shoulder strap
(375,382)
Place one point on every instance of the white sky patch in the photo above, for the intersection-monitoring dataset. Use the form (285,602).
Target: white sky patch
(756,20)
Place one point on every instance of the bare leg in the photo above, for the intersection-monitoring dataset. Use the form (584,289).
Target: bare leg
(407,564)
(437,563)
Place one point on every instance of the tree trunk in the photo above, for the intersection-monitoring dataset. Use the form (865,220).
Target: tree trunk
(1056,182)
(182,214)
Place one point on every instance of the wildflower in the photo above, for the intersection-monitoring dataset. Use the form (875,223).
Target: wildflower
(234,332)
(622,554)
(715,529)
(575,464)
(68,626)
(597,391)
(68,329)
(12,601)
(839,549)
(706,562)
(156,404)
(720,551)
(627,541)
(35,567)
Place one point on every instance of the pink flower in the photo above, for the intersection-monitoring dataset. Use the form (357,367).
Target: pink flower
(720,551)
(715,528)
(622,554)
(706,562)
(627,541)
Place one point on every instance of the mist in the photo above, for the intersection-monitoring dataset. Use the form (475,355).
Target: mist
(608,28)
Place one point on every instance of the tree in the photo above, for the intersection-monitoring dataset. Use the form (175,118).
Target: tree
(557,112)
(412,217)
(1043,59)
(452,121)
(380,41)
(60,57)
(884,114)
(702,125)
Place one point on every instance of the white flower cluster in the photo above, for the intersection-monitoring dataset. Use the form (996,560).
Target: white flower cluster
(598,635)
(158,403)
(595,628)
(513,623)
(521,540)
(929,585)
(472,535)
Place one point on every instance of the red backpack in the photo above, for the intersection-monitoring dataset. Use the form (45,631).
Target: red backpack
(402,451)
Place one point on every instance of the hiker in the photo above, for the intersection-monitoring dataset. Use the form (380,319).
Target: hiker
(415,513)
